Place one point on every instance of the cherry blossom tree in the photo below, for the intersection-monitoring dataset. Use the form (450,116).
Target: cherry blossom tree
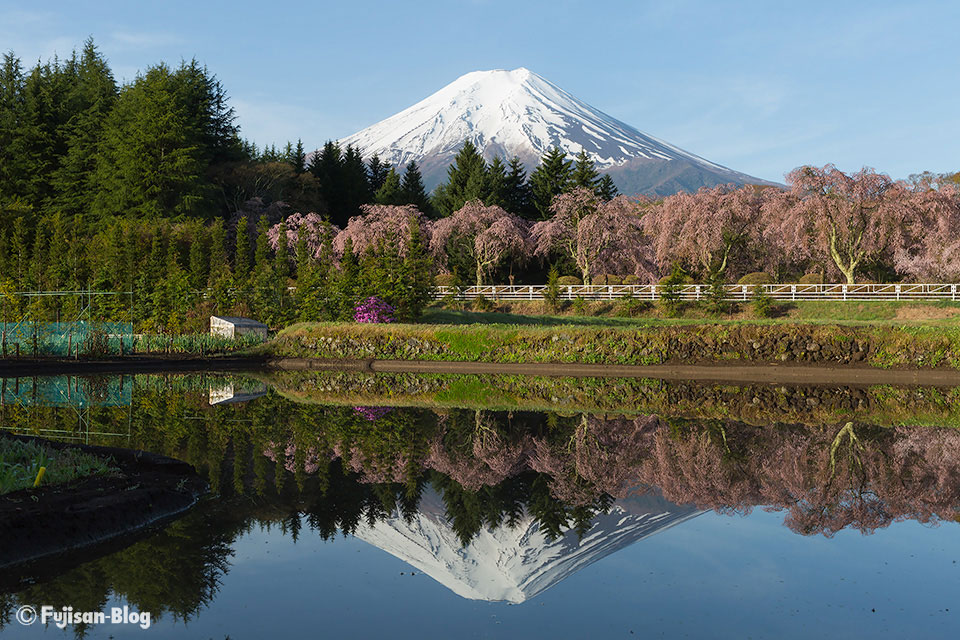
(928,248)
(705,228)
(309,224)
(381,224)
(596,235)
(486,236)
(836,217)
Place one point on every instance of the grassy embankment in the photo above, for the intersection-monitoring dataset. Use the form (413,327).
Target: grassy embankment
(617,314)
(886,335)
(21,461)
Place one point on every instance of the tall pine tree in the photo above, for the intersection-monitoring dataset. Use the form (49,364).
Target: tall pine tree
(466,180)
(517,197)
(377,173)
(412,189)
(549,179)
(584,173)
(606,189)
(391,192)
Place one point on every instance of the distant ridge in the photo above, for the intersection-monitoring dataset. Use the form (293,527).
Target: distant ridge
(519,113)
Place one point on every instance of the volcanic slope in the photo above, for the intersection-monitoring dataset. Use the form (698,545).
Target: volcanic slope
(519,113)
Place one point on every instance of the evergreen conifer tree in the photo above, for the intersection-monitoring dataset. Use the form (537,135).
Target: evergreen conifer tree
(57,270)
(327,167)
(19,252)
(377,173)
(299,158)
(241,254)
(347,283)
(199,262)
(412,189)
(220,277)
(356,183)
(4,255)
(496,184)
(14,161)
(551,178)
(92,96)
(517,197)
(150,162)
(416,277)
(391,192)
(584,173)
(38,257)
(606,189)
(466,180)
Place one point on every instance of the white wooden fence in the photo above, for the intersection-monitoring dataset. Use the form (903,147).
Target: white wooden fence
(734,292)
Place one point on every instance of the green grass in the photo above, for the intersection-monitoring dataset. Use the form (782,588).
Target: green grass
(558,339)
(21,461)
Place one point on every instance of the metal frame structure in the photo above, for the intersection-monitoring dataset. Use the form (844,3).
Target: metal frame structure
(734,292)
(29,326)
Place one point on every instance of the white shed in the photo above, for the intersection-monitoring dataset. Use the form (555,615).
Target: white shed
(234,326)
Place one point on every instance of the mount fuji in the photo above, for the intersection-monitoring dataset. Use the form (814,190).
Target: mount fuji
(519,113)
(514,564)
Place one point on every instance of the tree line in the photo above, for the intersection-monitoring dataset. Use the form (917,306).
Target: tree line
(166,144)
(149,188)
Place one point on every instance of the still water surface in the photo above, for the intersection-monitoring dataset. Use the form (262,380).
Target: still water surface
(372,521)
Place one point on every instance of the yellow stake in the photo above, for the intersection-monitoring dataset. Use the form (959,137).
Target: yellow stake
(36,483)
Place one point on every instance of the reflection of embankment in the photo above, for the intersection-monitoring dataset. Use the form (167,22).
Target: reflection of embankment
(755,403)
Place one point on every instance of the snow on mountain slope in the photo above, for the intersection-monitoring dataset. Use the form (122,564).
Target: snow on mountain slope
(520,113)
(514,564)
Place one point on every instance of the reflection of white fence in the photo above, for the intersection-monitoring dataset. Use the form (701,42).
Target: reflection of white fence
(734,292)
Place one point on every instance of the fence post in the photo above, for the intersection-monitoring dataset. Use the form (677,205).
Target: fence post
(953,292)
(698,292)
(843,289)
(897,288)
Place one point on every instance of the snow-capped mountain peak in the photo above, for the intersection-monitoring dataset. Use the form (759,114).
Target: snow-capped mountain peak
(518,113)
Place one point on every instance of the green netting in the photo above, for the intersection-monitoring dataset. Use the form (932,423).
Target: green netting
(67,391)
(65,338)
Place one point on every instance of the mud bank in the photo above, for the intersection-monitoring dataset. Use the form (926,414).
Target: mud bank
(40,525)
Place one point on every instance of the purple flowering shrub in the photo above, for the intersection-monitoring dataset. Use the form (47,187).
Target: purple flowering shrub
(373,309)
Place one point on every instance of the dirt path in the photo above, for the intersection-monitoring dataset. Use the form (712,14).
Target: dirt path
(11,368)
(766,373)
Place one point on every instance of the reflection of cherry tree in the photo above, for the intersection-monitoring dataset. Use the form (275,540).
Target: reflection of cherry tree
(825,479)
(490,459)
(287,455)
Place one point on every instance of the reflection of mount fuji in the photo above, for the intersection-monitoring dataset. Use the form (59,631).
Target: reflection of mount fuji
(515,564)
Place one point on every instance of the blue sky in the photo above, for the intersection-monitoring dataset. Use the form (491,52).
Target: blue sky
(761,87)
